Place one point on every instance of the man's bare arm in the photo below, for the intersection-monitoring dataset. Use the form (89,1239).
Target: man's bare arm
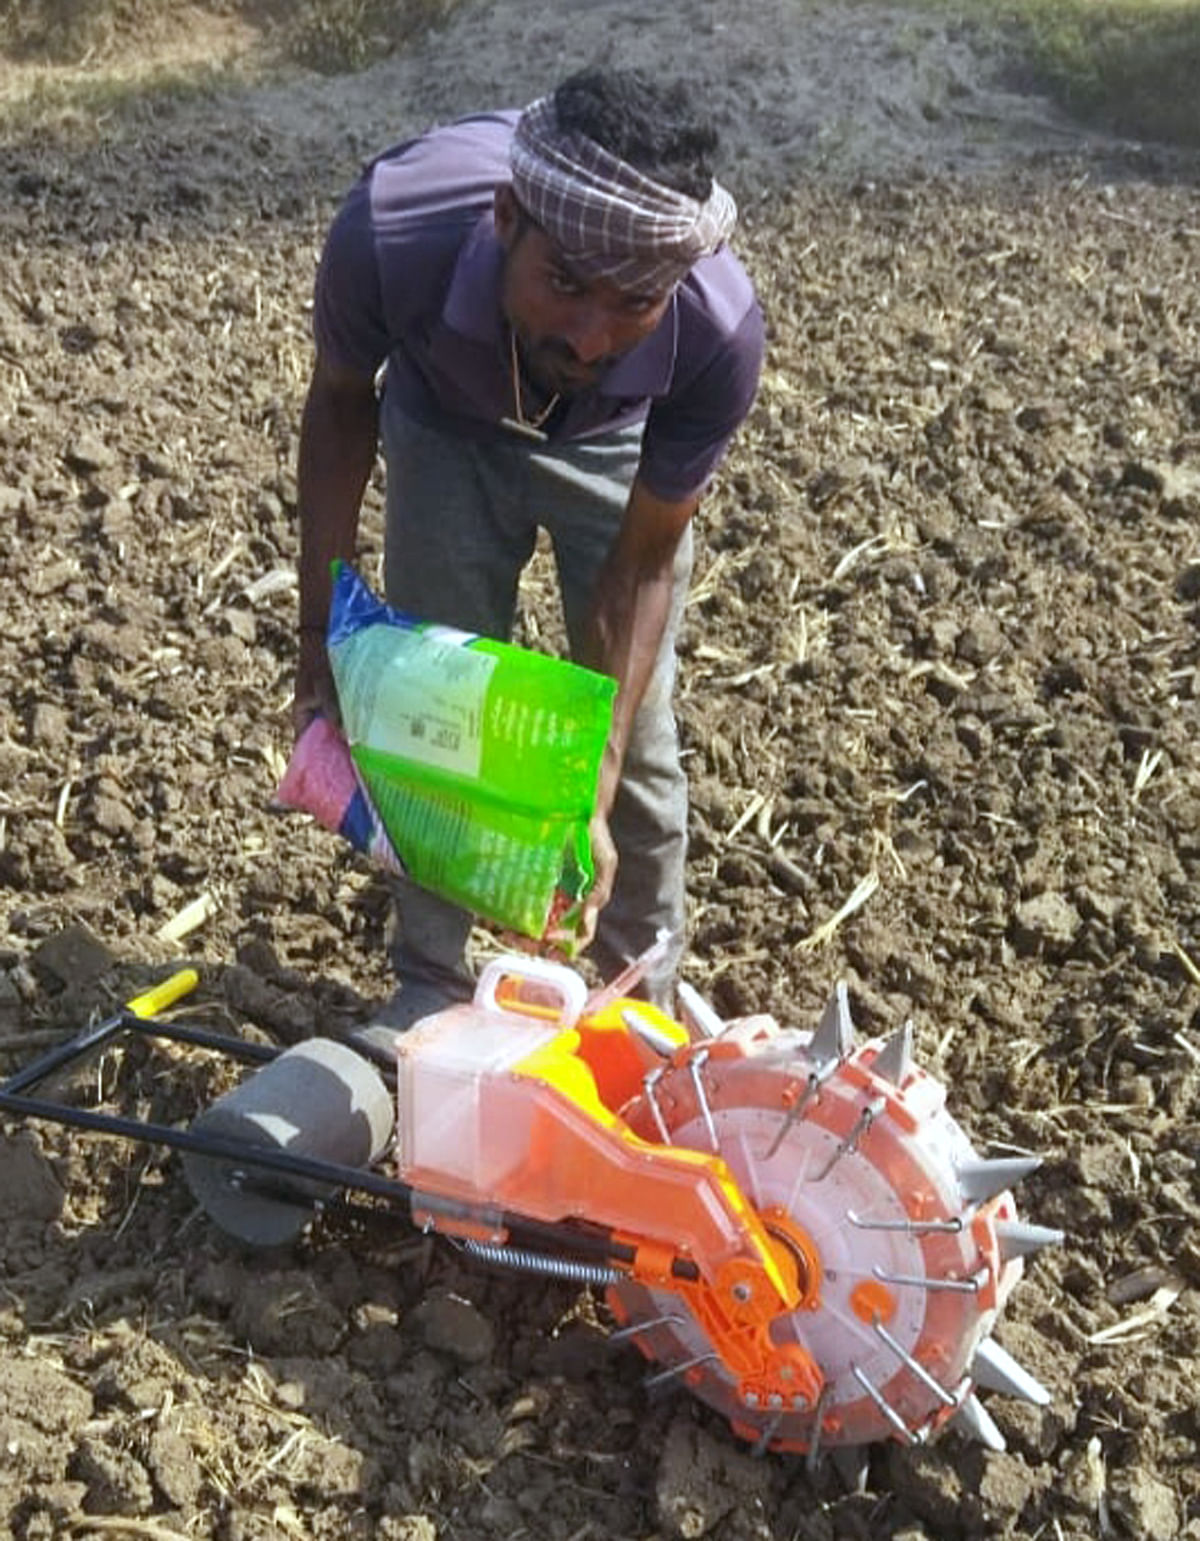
(339,433)
(628,621)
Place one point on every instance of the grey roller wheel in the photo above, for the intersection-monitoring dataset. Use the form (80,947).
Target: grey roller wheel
(318,1099)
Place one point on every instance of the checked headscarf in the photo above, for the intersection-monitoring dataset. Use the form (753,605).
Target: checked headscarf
(610,220)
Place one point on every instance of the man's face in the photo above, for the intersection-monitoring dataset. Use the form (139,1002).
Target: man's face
(569,328)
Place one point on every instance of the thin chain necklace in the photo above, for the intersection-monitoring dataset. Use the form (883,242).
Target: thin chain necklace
(528,427)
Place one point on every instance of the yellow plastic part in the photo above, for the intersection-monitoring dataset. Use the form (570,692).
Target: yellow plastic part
(584,1159)
(511,1108)
(157,999)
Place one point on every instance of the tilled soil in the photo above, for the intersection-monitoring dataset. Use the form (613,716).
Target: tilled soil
(944,639)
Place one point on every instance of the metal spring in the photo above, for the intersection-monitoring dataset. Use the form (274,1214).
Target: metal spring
(542,1263)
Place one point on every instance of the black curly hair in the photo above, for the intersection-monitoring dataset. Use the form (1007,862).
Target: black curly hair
(653,125)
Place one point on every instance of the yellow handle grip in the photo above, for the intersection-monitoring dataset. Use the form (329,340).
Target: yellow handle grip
(151,1002)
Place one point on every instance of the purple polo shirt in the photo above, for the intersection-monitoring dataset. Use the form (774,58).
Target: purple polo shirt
(410,275)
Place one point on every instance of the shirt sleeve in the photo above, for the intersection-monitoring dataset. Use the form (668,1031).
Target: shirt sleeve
(349,326)
(688,431)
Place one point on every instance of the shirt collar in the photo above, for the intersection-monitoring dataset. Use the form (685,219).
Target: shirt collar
(472,308)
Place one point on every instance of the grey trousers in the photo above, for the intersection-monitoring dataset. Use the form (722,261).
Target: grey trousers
(462,522)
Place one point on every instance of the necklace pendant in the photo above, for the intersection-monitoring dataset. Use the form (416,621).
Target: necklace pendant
(526,427)
(525,430)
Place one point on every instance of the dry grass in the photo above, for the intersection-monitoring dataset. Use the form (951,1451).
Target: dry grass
(1130,65)
(339,35)
(83,79)
(81,66)
(327,35)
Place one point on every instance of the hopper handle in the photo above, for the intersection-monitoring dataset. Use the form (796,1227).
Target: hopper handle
(563,983)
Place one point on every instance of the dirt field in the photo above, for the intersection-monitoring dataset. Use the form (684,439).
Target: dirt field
(945,633)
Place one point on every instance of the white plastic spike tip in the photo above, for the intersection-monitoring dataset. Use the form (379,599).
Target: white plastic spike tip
(789,1113)
(834,1037)
(974,1420)
(894,1062)
(995,1369)
(983,1180)
(1018,1239)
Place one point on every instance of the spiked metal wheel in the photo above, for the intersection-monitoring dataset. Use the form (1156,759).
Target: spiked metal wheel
(906,1243)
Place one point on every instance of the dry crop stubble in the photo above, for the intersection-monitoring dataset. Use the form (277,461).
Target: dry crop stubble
(943,631)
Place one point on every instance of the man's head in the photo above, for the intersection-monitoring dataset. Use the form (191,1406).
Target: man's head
(650,125)
(612,200)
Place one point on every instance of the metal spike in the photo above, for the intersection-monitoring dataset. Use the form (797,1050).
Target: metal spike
(946,1398)
(812,1459)
(1017,1239)
(995,1369)
(650,1083)
(812,1090)
(664,1377)
(974,1420)
(834,1037)
(697,1013)
(884,1406)
(852,1463)
(695,1066)
(849,1143)
(920,1281)
(652,1036)
(983,1180)
(634,1329)
(951,1227)
(894,1061)
(763,1443)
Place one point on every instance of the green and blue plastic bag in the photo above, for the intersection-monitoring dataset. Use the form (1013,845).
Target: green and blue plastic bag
(469,764)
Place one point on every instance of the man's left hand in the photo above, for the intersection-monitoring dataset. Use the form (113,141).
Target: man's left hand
(604,859)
